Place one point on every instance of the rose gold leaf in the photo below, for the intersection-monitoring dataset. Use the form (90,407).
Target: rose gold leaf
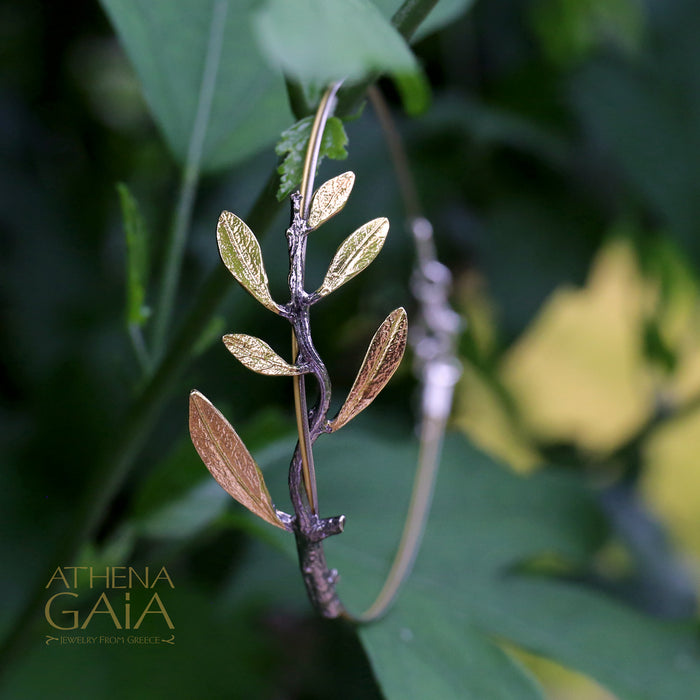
(356,252)
(240,251)
(382,358)
(228,460)
(330,198)
(257,355)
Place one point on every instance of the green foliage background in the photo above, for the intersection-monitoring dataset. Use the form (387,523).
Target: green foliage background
(557,155)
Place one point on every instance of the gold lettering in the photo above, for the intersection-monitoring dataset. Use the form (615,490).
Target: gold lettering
(47,612)
(75,573)
(163,573)
(108,611)
(132,573)
(116,576)
(58,574)
(162,611)
(93,576)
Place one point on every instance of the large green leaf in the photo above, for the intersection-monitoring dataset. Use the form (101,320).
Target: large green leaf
(202,75)
(327,40)
(425,656)
(466,590)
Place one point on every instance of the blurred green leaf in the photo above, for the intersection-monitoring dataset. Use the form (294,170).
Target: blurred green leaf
(292,146)
(202,76)
(493,126)
(172,479)
(179,498)
(570,30)
(645,112)
(637,657)
(414,89)
(329,40)
(532,245)
(465,589)
(428,655)
(211,334)
(137,242)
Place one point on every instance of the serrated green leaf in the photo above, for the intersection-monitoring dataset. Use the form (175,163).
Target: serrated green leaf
(136,235)
(292,146)
(228,459)
(257,355)
(355,254)
(240,252)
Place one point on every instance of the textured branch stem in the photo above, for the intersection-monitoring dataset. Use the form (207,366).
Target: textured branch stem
(309,529)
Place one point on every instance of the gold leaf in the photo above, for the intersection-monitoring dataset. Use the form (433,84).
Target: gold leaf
(330,198)
(228,459)
(241,254)
(257,355)
(356,252)
(382,358)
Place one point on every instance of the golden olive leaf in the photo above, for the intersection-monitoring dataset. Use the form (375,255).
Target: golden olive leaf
(228,459)
(330,198)
(356,252)
(240,251)
(383,357)
(257,355)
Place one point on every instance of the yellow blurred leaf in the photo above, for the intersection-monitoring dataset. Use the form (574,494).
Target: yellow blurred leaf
(578,373)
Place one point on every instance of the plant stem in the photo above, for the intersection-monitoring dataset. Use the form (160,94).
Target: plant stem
(407,187)
(297,99)
(190,178)
(410,15)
